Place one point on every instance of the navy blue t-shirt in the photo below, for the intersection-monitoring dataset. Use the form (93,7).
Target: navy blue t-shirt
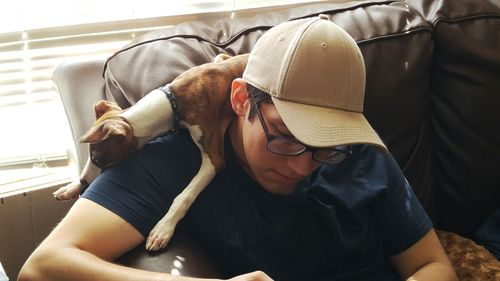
(341,223)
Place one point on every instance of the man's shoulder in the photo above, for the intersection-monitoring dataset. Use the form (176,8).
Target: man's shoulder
(366,163)
(367,173)
(176,150)
(178,141)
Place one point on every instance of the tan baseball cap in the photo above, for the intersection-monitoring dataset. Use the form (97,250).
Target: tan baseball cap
(315,73)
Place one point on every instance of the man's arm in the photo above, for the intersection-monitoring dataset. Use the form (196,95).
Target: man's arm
(84,244)
(425,260)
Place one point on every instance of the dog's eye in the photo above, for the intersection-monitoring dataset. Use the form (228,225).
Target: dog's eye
(96,161)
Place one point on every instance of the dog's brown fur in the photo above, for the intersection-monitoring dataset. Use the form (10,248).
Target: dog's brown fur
(203,88)
(208,88)
(471,261)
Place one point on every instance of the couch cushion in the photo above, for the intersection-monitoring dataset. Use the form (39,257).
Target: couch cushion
(464,105)
(159,56)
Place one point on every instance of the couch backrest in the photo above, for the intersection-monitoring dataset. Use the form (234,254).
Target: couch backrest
(410,90)
(464,113)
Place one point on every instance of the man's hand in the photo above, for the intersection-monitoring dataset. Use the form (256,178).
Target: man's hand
(252,276)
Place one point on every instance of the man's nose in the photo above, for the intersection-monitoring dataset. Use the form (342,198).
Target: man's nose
(302,164)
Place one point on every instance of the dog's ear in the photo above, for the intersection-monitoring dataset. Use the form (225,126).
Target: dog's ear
(103,131)
(220,57)
(104,106)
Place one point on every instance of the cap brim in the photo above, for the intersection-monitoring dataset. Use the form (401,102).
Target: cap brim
(326,127)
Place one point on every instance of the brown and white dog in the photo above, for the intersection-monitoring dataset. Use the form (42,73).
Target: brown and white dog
(199,100)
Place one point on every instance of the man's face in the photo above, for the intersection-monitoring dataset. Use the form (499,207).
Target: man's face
(276,173)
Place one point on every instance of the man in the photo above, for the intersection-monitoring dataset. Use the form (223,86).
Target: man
(309,192)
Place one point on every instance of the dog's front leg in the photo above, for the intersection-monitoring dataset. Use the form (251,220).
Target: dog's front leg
(74,189)
(164,229)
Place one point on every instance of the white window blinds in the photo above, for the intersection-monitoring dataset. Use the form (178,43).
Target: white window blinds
(36,36)
(34,132)
(32,121)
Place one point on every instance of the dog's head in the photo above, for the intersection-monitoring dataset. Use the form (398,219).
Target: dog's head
(111,139)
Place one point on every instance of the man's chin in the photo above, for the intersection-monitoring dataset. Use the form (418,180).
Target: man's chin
(283,188)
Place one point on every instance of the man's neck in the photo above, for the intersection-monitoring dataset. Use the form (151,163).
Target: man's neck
(236,138)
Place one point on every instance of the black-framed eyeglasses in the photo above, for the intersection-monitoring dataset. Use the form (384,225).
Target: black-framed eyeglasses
(287,146)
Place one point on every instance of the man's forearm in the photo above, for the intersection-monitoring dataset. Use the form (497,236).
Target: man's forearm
(434,271)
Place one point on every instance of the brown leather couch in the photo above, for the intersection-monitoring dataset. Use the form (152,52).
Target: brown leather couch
(432,93)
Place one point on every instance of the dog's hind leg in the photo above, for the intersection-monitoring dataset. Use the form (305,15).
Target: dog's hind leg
(164,229)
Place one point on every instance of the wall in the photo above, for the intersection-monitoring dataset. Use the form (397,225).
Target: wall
(25,220)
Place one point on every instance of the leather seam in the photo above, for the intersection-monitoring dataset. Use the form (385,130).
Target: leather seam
(438,21)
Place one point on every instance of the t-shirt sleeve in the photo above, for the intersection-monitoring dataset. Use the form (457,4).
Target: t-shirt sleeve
(141,188)
(403,219)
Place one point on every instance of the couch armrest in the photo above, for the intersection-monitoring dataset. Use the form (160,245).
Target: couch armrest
(183,256)
(80,85)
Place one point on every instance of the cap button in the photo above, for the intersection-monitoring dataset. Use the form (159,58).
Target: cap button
(323,17)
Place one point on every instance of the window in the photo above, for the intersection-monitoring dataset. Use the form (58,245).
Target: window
(36,36)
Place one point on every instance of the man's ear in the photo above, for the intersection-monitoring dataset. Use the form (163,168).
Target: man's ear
(239,97)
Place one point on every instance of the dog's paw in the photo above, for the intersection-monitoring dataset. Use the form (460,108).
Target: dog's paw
(68,192)
(160,236)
